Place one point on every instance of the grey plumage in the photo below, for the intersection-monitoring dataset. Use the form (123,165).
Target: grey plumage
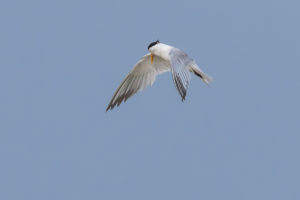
(162,58)
(141,76)
(180,62)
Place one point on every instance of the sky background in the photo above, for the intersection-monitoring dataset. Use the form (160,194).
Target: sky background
(62,60)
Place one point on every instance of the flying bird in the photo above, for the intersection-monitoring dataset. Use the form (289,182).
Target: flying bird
(161,58)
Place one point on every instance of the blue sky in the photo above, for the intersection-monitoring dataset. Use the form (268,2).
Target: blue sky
(61,62)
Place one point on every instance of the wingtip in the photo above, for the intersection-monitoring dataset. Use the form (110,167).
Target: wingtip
(208,79)
(182,98)
(108,108)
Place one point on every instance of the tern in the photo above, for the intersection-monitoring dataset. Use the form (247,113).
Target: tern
(161,58)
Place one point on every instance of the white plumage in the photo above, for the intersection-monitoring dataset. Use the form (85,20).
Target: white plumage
(162,58)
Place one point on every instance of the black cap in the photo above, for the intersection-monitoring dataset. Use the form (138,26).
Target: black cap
(152,44)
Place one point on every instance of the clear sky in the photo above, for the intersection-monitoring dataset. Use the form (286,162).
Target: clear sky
(61,61)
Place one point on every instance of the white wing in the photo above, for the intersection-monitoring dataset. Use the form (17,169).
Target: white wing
(180,62)
(142,75)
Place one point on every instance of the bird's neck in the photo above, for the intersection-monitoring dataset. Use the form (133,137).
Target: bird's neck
(163,51)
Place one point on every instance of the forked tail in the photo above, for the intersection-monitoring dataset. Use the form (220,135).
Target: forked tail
(197,71)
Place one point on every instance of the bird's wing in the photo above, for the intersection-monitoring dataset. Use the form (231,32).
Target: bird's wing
(180,70)
(142,75)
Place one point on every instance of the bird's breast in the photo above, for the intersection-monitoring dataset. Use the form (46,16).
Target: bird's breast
(162,51)
(164,55)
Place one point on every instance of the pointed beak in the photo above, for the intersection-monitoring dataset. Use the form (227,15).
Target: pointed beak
(151,57)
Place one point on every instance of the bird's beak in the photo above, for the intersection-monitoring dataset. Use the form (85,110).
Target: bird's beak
(151,58)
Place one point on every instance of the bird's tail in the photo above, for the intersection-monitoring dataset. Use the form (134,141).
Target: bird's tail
(197,71)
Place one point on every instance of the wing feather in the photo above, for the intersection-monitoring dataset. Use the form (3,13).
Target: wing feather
(180,62)
(142,75)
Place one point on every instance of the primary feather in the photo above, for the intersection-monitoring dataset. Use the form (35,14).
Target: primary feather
(142,75)
(165,58)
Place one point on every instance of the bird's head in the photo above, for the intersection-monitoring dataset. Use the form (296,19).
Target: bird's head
(152,46)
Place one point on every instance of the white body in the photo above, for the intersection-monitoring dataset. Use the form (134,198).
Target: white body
(162,58)
(161,50)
